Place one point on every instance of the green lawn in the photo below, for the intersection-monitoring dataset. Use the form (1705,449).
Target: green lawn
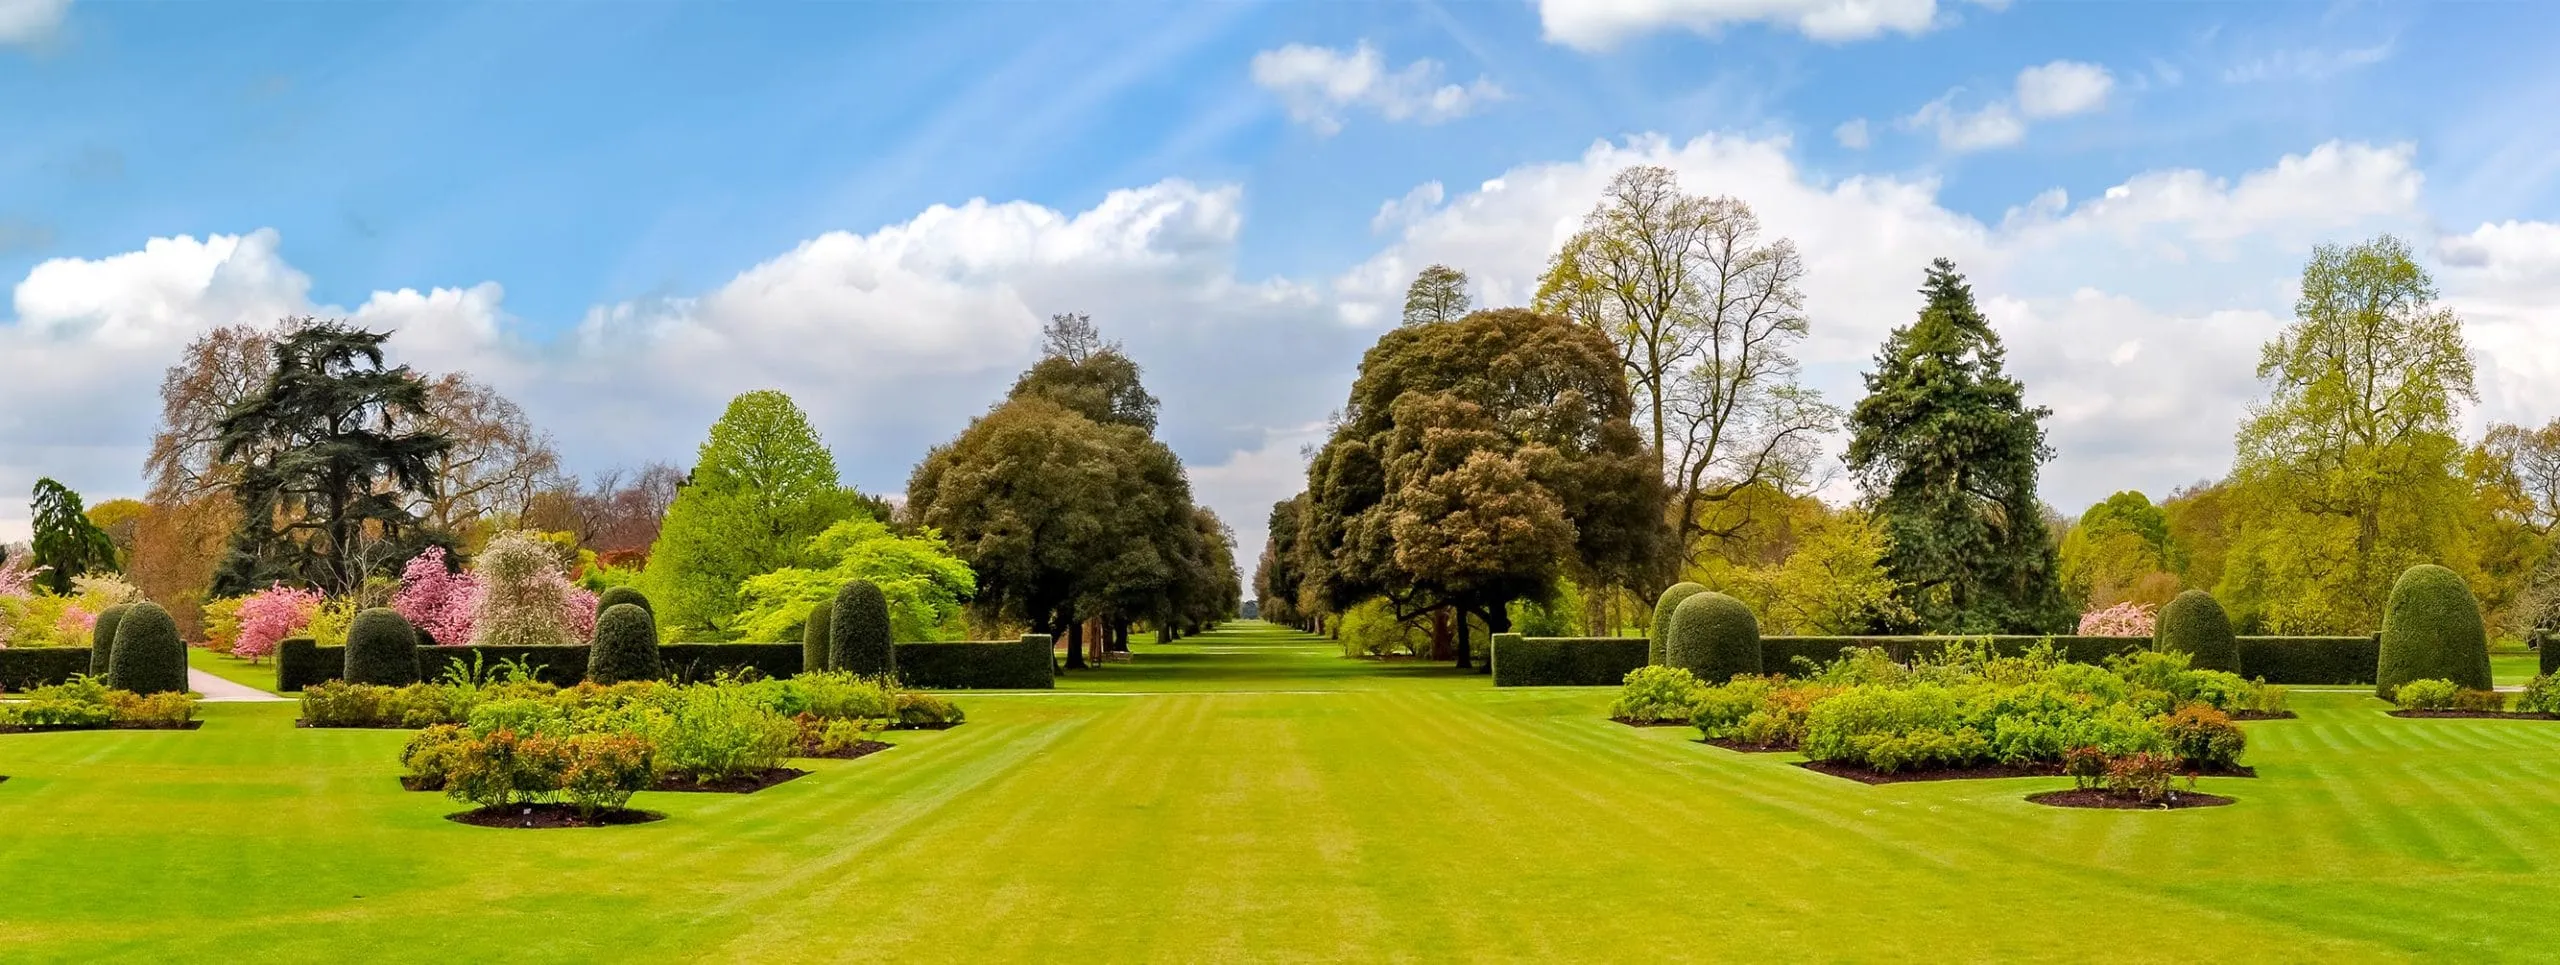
(1249,795)
(261,675)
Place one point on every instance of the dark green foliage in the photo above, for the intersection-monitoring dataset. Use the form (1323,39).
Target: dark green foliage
(614,596)
(2431,630)
(1024,664)
(858,634)
(2194,624)
(301,663)
(1947,448)
(1662,610)
(626,646)
(1520,661)
(382,648)
(102,639)
(27,668)
(65,539)
(817,635)
(2549,649)
(149,657)
(1714,637)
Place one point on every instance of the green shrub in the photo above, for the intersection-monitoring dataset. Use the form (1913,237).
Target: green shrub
(2483,700)
(168,708)
(917,708)
(2541,695)
(82,701)
(2431,630)
(149,658)
(858,632)
(2203,737)
(2195,624)
(102,639)
(505,768)
(834,695)
(836,736)
(1663,608)
(1715,637)
(2430,694)
(382,648)
(1563,661)
(1720,710)
(521,715)
(626,646)
(1654,694)
(1024,664)
(602,771)
(432,754)
(712,733)
(2144,775)
(815,637)
(619,595)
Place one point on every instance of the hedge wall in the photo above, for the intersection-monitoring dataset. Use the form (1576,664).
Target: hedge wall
(1777,654)
(1025,664)
(2549,648)
(2311,660)
(32,667)
(703,661)
(1520,661)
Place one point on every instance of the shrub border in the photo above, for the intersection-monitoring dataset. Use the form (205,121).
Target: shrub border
(1601,661)
(974,665)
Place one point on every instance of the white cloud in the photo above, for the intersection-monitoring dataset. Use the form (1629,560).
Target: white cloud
(1595,25)
(2307,64)
(2063,88)
(30,21)
(1852,134)
(1321,84)
(1992,125)
(1417,203)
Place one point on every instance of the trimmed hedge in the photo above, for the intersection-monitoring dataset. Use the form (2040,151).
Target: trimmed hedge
(301,663)
(1663,607)
(1025,664)
(704,661)
(2549,648)
(858,633)
(31,667)
(1713,636)
(2195,624)
(1777,654)
(1520,661)
(382,648)
(102,639)
(815,637)
(2431,630)
(149,656)
(2341,661)
(626,646)
(614,596)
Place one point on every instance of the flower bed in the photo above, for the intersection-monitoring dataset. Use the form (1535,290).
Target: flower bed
(85,703)
(2442,698)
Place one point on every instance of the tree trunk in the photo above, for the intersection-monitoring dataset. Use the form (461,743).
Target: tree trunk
(1075,645)
(1464,663)
(1440,644)
(1094,634)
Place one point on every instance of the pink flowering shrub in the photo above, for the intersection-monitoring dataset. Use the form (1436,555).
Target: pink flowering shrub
(526,599)
(18,576)
(76,623)
(438,600)
(578,610)
(270,615)
(2120,620)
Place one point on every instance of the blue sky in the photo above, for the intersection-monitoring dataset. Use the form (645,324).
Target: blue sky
(581,157)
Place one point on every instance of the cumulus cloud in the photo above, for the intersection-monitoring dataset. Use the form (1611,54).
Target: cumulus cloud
(2063,88)
(30,21)
(1852,134)
(1595,25)
(2058,89)
(1416,204)
(1321,84)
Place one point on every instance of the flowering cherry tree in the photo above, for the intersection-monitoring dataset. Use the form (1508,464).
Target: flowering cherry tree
(436,599)
(2120,620)
(270,615)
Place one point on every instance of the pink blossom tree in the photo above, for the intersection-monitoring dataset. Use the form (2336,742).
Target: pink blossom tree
(526,598)
(270,615)
(2120,620)
(436,599)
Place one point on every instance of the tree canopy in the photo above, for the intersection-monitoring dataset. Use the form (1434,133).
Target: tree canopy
(762,487)
(66,542)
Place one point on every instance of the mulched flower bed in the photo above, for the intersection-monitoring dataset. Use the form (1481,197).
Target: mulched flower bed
(299,722)
(947,725)
(124,725)
(1633,722)
(1748,748)
(2263,715)
(743,784)
(854,750)
(2476,714)
(1984,772)
(422,782)
(2096,798)
(550,816)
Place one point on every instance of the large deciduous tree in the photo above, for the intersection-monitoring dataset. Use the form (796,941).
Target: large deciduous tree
(2118,552)
(328,463)
(763,485)
(1947,450)
(181,538)
(497,464)
(1438,294)
(1476,463)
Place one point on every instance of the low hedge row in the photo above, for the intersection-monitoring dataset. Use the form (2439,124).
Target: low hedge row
(1520,661)
(2549,648)
(33,667)
(1603,661)
(951,666)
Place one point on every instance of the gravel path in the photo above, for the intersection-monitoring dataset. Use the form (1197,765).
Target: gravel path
(219,691)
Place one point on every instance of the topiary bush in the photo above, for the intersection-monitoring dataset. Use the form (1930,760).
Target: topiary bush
(618,595)
(626,646)
(149,658)
(815,638)
(382,648)
(102,639)
(1663,607)
(858,632)
(2431,630)
(1714,637)
(2195,624)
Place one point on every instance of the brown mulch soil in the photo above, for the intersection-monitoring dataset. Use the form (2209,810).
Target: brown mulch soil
(2094,798)
(2475,714)
(1734,745)
(550,816)
(299,722)
(857,749)
(422,782)
(1865,776)
(2263,715)
(124,725)
(1632,722)
(942,726)
(747,784)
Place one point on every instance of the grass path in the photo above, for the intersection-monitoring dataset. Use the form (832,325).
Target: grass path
(1269,800)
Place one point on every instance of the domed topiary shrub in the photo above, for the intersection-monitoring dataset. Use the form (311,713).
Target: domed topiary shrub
(2195,624)
(382,648)
(102,639)
(615,596)
(858,632)
(626,646)
(1713,637)
(816,637)
(1654,652)
(149,658)
(2431,630)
